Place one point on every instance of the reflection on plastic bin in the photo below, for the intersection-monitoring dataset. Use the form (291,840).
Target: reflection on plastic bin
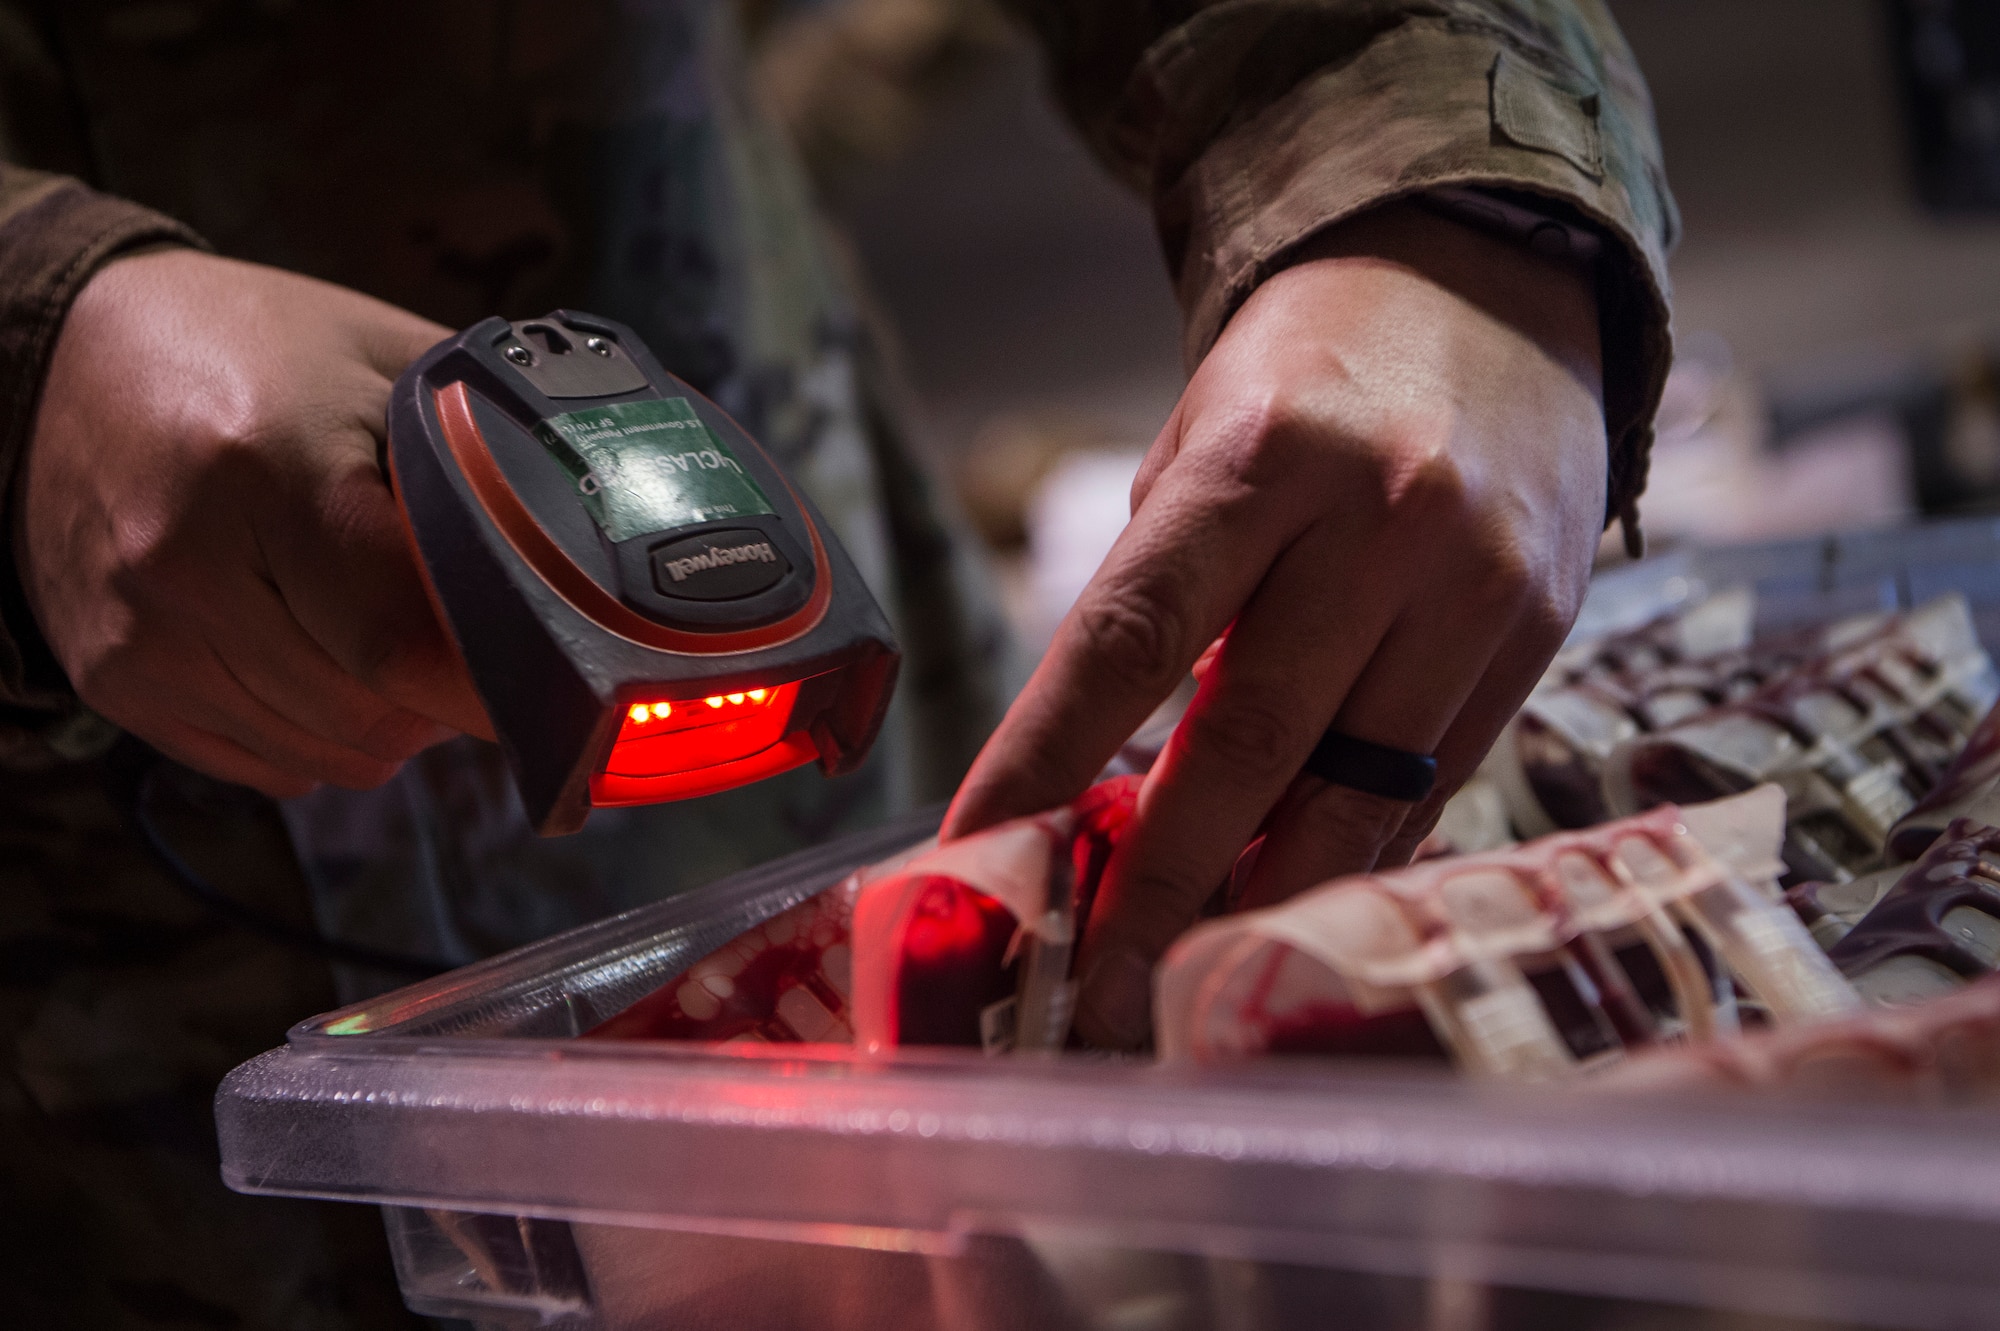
(536,1179)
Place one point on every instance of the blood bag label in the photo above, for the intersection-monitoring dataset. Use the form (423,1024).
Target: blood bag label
(644,467)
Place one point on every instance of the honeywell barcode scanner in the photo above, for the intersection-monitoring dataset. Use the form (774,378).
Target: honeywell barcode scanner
(649,609)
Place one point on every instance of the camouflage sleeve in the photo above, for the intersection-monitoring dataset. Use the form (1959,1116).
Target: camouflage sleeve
(1253,124)
(54,234)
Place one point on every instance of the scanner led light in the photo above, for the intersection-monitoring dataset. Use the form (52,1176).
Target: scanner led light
(646,714)
(736,736)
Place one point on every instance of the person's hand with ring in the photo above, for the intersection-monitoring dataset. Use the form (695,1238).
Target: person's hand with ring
(1382,490)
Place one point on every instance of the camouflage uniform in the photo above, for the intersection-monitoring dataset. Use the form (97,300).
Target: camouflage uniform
(470,157)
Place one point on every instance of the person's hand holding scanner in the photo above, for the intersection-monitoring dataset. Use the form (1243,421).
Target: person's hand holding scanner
(1385,484)
(205,538)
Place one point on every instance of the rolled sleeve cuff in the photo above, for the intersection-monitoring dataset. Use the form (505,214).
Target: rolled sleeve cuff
(1428,105)
(55,234)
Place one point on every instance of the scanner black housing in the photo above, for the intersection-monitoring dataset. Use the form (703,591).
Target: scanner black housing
(554,679)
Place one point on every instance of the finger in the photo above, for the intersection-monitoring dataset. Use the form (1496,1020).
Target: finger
(1450,679)
(1264,702)
(341,559)
(1207,658)
(1507,683)
(1408,698)
(1173,580)
(200,692)
(228,709)
(283,668)
(223,759)
(1320,831)
(391,338)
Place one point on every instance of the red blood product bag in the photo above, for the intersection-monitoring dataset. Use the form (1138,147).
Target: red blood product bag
(971,943)
(1526,963)
(967,944)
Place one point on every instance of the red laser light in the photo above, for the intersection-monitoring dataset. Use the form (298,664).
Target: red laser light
(664,751)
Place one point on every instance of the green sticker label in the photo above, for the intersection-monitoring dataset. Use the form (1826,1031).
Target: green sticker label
(650,466)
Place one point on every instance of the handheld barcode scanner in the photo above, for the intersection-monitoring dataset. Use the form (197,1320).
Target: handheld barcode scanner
(647,607)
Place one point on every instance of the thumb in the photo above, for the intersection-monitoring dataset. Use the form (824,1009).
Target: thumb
(390,339)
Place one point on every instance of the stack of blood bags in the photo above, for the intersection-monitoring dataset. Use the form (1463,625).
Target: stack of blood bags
(1528,963)
(1855,737)
(1855,719)
(1820,762)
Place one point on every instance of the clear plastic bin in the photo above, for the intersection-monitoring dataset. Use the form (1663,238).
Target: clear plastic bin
(531,1179)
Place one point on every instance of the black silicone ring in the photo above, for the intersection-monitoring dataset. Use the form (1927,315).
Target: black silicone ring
(1373,769)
